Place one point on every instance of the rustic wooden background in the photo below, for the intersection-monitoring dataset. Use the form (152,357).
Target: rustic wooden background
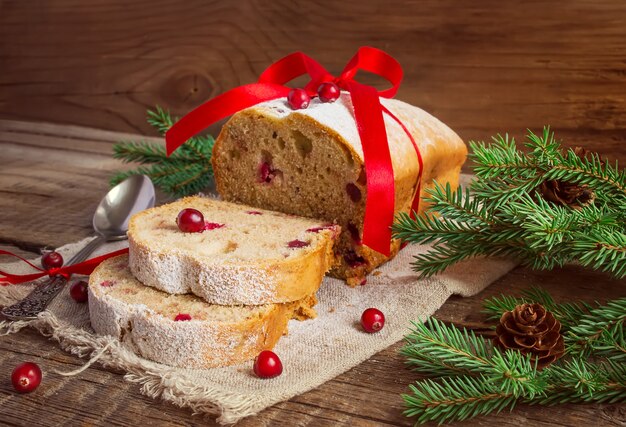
(482,67)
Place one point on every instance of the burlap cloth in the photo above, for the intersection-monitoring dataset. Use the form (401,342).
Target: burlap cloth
(314,352)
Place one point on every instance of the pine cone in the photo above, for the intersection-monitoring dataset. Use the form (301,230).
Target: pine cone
(529,328)
(566,193)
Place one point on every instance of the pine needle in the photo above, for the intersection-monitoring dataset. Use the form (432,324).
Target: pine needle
(468,376)
(502,212)
(187,171)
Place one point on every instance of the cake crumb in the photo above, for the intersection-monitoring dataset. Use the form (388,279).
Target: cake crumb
(377,273)
(331,310)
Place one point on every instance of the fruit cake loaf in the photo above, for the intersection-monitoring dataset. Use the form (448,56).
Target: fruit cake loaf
(183,330)
(242,255)
(309,162)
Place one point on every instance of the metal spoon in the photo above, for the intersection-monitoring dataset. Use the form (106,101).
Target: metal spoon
(110,222)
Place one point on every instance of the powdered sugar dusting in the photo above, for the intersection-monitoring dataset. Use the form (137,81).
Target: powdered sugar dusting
(180,330)
(249,261)
(339,116)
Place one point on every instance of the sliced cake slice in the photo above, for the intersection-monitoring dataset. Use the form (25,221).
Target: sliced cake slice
(183,330)
(238,255)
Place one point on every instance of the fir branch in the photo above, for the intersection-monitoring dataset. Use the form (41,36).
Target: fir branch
(600,329)
(459,398)
(606,180)
(500,159)
(160,119)
(602,249)
(458,205)
(434,346)
(471,377)
(455,399)
(579,381)
(504,213)
(186,171)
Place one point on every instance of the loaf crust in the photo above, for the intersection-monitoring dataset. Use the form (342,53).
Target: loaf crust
(158,257)
(142,318)
(327,126)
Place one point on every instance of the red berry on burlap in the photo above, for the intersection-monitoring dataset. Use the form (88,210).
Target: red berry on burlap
(372,320)
(26,377)
(298,99)
(267,365)
(78,291)
(190,221)
(51,260)
(328,92)
(182,317)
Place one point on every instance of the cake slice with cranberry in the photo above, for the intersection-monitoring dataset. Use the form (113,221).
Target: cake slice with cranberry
(183,330)
(310,162)
(229,254)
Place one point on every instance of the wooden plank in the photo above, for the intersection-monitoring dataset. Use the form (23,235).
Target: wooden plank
(51,202)
(483,68)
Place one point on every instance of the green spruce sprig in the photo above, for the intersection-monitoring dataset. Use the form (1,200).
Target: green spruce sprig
(503,212)
(434,348)
(468,376)
(187,171)
(462,397)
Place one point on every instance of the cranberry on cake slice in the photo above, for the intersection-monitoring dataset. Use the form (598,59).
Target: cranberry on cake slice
(297,244)
(237,257)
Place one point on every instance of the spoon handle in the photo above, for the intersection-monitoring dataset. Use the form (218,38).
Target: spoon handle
(43,294)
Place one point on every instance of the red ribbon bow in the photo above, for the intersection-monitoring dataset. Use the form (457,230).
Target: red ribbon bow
(85,267)
(368,114)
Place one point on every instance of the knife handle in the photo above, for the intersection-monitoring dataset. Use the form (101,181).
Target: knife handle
(43,294)
(36,301)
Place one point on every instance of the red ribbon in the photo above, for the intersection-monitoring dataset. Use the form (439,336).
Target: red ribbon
(85,267)
(368,114)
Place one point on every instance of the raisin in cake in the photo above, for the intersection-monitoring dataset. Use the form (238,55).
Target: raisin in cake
(183,330)
(244,256)
(310,162)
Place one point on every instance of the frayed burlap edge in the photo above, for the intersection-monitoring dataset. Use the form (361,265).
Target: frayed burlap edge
(165,383)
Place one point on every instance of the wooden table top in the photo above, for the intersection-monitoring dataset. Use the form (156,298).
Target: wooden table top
(71,69)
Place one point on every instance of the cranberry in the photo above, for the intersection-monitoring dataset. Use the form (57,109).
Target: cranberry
(266,172)
(190,221)
(212,225)
(353,192)
(107,283)
(297,244)
(354,260)
(78,291)
(354,233)
(182,317)
(51,260)
(372,320)
(318,229)
(26,377)
(328,92)
(267,365)
(298,99)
